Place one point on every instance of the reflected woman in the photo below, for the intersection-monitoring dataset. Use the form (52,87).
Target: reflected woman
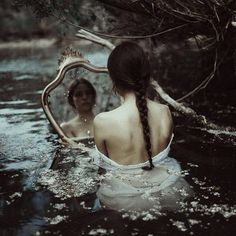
(82,98)
(133,140)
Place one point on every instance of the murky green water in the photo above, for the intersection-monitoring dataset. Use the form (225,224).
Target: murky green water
(42,184)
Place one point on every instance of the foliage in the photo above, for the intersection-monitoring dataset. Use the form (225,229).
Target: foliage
(136,17)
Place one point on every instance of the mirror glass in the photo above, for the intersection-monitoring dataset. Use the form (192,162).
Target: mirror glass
(78,98)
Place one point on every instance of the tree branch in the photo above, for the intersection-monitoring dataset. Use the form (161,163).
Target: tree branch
(187,111)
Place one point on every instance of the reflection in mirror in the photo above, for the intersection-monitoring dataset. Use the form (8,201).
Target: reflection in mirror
(80,96)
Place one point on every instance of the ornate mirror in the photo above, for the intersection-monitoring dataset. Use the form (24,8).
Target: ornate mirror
(55,100)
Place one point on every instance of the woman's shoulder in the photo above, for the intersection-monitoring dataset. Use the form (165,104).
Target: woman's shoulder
(109,114)
(165,122)
(102,118)
(106,121)
(66,127)
(159,108)
(68,124)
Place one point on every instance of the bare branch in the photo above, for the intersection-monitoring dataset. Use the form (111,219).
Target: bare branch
(64,19)
(204,83)
(187,111)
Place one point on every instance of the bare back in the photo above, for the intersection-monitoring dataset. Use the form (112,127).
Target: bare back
(119,134)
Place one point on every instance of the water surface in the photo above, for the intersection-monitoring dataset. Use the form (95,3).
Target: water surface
(43,184)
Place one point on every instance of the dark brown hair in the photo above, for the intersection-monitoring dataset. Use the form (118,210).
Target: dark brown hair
(72,87)
(129,70)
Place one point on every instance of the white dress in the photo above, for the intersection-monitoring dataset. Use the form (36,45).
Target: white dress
(129,187)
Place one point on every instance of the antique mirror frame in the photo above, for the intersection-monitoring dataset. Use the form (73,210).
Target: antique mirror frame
(70,59)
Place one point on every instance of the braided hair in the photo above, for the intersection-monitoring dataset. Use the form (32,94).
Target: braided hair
(141,103)
(129,70)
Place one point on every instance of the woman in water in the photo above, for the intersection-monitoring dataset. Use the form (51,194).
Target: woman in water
(82,98)
(133,140)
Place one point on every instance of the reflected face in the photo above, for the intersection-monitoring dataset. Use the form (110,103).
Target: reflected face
(83,98)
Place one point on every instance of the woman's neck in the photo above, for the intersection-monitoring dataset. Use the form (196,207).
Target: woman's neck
(128,97)
(85,116)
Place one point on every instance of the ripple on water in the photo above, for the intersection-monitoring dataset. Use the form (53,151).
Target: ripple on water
(13,111)
(16,102)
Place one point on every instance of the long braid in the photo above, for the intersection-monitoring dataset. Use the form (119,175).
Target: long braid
(141,103)
(129,69)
